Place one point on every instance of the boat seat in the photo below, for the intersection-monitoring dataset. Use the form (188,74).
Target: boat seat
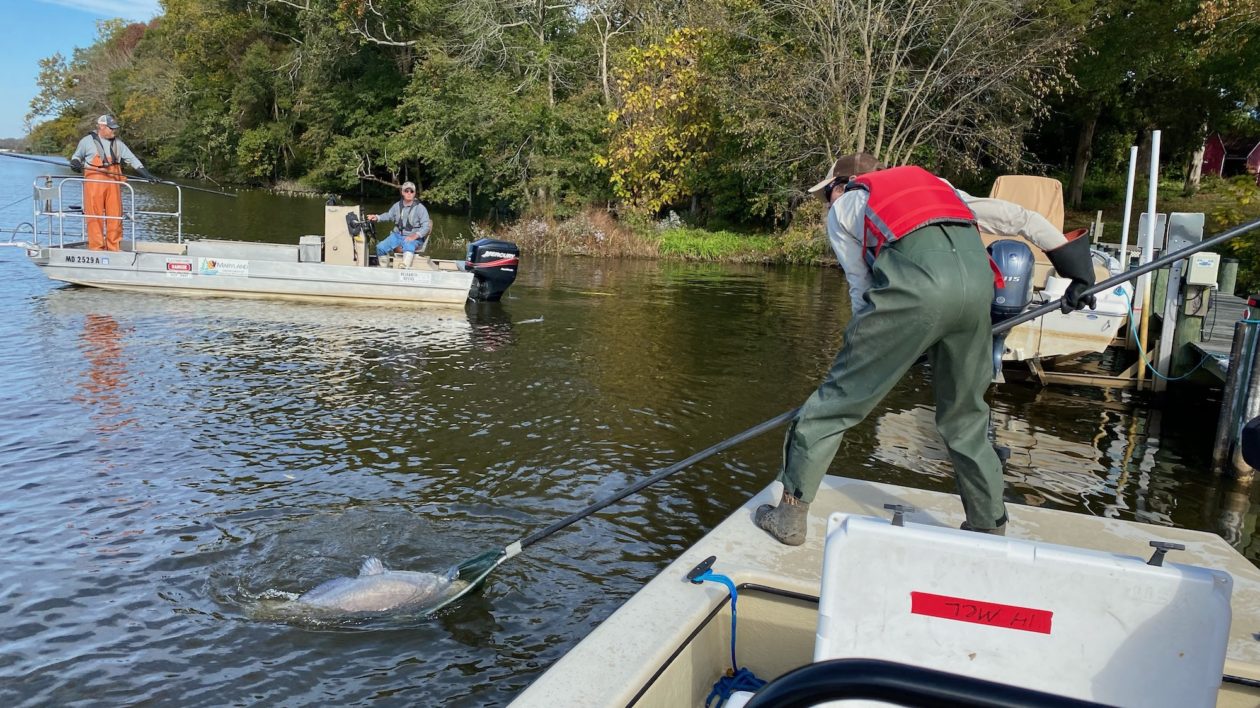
(420,263)
(1043,195)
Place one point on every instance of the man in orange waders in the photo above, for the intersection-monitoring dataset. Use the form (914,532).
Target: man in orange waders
(101,153)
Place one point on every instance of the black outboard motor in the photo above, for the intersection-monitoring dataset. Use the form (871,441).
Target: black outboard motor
(1015,260)
(493,264)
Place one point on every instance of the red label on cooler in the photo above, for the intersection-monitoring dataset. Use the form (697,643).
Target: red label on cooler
(993,614)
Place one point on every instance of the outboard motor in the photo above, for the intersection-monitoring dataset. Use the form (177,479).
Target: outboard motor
(1015,261)
(493,264)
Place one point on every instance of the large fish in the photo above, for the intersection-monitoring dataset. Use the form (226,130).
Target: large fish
(378,589)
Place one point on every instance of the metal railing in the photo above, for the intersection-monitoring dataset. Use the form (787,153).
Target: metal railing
(50,212)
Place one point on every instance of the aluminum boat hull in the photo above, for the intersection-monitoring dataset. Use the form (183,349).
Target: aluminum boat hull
(198,275)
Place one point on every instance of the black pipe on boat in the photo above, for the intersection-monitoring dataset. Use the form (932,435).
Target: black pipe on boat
(899,684)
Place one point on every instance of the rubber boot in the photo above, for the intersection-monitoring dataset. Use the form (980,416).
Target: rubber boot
(408,258)
(786,522)
(999,531)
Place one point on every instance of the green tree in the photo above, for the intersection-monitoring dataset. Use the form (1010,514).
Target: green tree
(663,122)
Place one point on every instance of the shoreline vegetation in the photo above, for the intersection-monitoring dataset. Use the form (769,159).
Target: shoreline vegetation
(598,233)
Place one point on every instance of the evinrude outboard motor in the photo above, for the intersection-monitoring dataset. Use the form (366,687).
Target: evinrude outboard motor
(493,264)
(1015,260)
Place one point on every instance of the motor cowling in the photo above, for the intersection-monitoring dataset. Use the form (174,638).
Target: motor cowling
(1015,261)
(493,264)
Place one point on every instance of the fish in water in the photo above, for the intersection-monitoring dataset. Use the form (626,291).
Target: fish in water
(378,589)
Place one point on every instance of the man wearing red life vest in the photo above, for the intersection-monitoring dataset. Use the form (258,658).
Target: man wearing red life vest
(920,280)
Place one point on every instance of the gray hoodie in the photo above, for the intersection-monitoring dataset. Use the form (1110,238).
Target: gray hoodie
(409,220)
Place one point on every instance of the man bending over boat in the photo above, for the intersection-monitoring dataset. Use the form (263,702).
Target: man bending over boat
(411,225)
(920,281)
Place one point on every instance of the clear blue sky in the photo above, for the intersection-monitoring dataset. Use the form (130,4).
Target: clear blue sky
(35,29)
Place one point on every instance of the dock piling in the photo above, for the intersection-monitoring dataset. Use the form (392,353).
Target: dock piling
(1240,400)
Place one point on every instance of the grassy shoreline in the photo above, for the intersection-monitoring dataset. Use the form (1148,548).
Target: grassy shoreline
(598,234)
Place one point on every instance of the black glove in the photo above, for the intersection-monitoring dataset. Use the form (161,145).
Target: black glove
(1073,260)
(76,165)
(147,175)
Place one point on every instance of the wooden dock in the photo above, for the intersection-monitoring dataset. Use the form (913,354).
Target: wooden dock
(1218,333)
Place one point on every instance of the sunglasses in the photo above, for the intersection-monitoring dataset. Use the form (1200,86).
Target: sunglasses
(405,191)
(837,183)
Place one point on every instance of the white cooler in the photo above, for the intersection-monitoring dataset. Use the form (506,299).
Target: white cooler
(1085,624)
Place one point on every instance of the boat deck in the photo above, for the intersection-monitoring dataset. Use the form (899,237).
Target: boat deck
(617,663)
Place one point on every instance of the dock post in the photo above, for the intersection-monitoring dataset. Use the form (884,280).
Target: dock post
(1148,247)
(1169,327)
(1228,277)
(1189,331)
(1239,388)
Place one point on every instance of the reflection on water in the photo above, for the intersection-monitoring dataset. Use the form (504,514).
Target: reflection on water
(104,383)
(169,461)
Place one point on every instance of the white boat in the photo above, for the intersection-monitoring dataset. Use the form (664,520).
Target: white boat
(670,642)
(1057,334)
(333,267)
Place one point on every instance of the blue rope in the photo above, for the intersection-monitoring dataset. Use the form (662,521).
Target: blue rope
(736,679)
(1142,351)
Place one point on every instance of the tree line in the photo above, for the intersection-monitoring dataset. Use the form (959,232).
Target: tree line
(727,109)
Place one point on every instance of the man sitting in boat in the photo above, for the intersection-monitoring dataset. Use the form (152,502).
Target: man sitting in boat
(411,225)
(920,281)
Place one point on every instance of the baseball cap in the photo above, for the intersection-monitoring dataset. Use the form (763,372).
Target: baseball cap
(107,120)
(409,185)
(849,166)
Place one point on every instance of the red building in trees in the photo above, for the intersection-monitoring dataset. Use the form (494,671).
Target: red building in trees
(1229,157)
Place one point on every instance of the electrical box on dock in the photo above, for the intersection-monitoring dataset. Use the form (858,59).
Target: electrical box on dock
(1202,269)
(1099,626)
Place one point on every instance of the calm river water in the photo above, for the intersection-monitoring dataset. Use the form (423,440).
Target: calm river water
(166,461)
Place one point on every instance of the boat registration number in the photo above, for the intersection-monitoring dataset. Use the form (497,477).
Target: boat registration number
(98,260)
(415,277)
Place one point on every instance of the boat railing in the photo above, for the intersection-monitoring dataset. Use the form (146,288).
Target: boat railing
(16,231)
(50,210)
